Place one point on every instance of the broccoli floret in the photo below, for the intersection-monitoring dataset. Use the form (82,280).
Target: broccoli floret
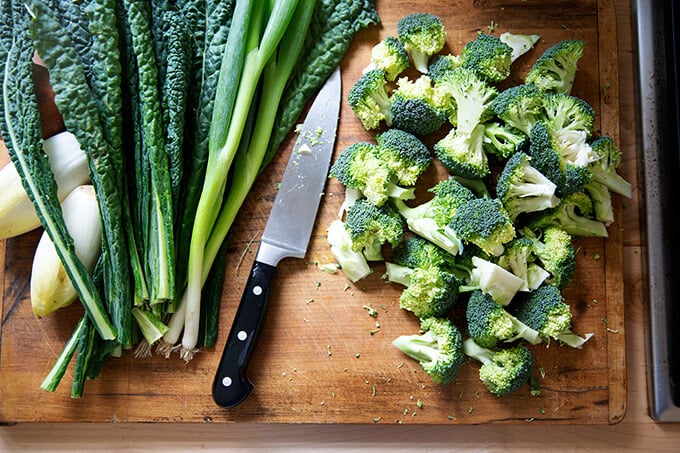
(545,156)
(418,252)
(520,106)
(573,214)
(489,323)
(473,98)
(423,35)
(369,99)
(522,188)
(555,70)
(390,56)
(441,65)
(370,226)
(603,210)
(463,153)
(491,279)
(406,155)
(430,291)
(485,223)
(545,311)
(416,107)
(502,140)
(352,263)
(519,258)
(503,371)
(488,56)
(520,43)
(554,248)
(431,219)
(359,167)
(607,161)
(571,120)
(438,349)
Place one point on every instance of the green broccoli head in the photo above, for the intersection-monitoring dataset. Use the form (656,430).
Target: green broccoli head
(442,64)
(472,95)
(571,119)
(489,323)
(502,140)
(416,107)
(573,214)
(430,291)
(522,188)
(545,157)
(555,70)
(555,250)
(369,99)
(604,167)
(423,35)
(416,251)
(370,226)
(390,56)
(576,178)
(359,167)
(520,259)
(485,223)
(503,371)
(488,56)
(406,155)
(438,349)
(463,153)
(520,106)
(352,263)
(546,311)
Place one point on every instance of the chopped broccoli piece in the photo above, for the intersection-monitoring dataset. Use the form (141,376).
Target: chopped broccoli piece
(520,43)
(352,263)
(571,120)
(406,155)
(605,165)
(441,65)
(485,223)
(519,258)
(488,56)
(555,70)
(545,156)
(416,107)
(438,349)
(573,214)
(430,291)
(545,311)
(390,56)
(555,250)
(370,226)
(520,106)
(522,188)
(359,167)
(463,153)
(503,371)
(369,99)
(472,95)
(492,280)
(418,252)
(603,210)
(431,219)
(489,323)
(423,35)
(502,140)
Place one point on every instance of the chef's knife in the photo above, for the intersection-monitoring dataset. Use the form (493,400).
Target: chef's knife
(286,235)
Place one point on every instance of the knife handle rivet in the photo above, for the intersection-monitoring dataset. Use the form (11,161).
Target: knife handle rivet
(242,335)
(226,381)
(257,290)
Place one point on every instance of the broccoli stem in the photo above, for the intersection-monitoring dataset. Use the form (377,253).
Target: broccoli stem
(573,340)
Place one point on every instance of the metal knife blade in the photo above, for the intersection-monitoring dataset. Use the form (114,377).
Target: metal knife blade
(286,234)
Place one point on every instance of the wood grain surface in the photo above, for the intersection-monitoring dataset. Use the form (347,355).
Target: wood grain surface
(319,360)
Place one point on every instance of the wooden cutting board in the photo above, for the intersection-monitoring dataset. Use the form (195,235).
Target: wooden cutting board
(322,358)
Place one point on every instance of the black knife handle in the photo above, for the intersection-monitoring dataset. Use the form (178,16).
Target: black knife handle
(231,385)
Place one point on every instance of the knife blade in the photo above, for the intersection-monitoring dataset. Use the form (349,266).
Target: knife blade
(286,235)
